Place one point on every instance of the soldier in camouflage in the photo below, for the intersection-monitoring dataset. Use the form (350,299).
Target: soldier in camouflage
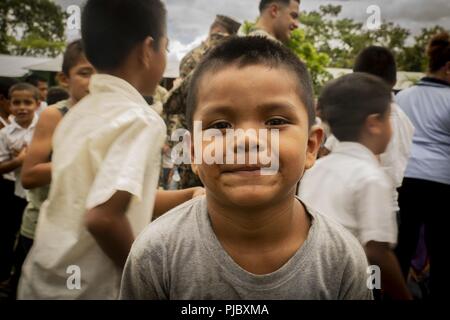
(277,20)
(175,107)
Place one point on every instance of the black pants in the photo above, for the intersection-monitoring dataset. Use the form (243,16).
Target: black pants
(425,203)
(11,211)
(23,247)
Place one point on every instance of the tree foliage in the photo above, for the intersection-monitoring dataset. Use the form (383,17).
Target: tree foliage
(31,27)
(342,39)
(307,52)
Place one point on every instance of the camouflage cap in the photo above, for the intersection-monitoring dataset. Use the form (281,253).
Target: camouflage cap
(231,25)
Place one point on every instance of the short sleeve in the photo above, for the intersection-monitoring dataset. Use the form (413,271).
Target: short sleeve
(126,162)
(142,278)
(375,214)
(331,143)
(355,277)
(4,151)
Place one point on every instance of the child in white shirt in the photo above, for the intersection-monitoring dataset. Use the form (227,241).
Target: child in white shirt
(349,184)
(106,159)
(14,139)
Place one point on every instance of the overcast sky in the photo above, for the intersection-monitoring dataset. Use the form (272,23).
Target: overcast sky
(189,20)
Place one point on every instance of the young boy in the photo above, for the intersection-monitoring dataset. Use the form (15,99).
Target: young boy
(349,184)
(42,85)
(379,61)
(106,159)
(36,170)
(14,139)
(250,237)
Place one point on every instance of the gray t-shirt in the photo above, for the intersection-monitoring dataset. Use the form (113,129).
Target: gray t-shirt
(179,257)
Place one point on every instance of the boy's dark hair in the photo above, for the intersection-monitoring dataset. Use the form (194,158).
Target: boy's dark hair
(56,94)
(378,61)
(438,51)
(248,51)
(265,3)
(34,80)
(112,28)
(5,85)
(345,103)
(73,54)
(24,86)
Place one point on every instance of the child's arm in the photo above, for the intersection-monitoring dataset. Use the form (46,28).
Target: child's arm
(110,227)
(392,282)
(36,170)
(11,165)
(167,200)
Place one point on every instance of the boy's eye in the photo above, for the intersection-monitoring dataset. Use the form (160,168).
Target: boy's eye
(276,122)
(220,125)
(85,73)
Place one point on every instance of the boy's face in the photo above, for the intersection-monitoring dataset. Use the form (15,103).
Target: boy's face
(23,106)
(261,98)
(43,89)
(79,78)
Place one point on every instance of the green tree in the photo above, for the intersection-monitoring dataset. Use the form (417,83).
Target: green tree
(307,52)
(342,39)
(31,27)
(414,58)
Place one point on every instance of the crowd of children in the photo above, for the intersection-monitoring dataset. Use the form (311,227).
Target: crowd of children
(80,176)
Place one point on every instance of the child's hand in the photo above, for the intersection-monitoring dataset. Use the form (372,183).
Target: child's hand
(197,192)
(20,155)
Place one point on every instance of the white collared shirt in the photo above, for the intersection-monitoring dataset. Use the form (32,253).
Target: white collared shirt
(42,107)
(15,137)
(110,141)
(395,159)
(349,186)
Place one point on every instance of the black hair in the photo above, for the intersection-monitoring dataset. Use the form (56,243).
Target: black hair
(378,61)
(112,28)
(5,85)
(438,51)
(265,3)
(34,79)
(247,51)
(56,94)
(24,86)
(73,54)
(345,103)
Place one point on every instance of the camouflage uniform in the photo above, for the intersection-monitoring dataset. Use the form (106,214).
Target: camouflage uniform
(175,107)
(256,32)
(193,57)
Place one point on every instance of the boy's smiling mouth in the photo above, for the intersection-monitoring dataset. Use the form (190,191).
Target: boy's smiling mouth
(22,114)
(243,169)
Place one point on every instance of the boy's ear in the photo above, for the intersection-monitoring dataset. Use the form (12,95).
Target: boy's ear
(62,80)
(147,50)
(373,124)
(314,143)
